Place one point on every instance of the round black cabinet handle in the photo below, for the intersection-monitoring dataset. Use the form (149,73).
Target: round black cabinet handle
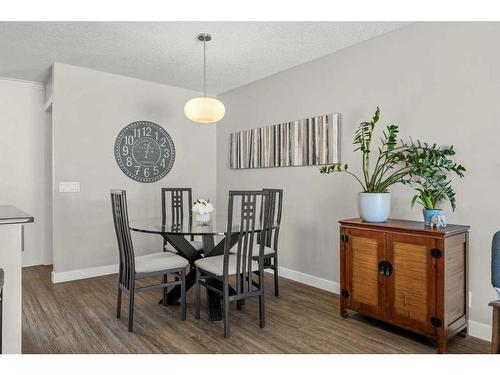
(385,268)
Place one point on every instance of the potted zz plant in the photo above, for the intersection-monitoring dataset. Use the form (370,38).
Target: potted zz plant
(395,163)
(374,201)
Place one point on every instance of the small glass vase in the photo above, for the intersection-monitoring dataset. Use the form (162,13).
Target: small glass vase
(203,218)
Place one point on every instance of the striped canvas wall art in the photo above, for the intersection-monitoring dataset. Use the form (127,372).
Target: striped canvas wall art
(311,141)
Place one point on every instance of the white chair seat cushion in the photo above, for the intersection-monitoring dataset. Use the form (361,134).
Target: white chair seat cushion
(198,246)
(256,249)
(159,262)
(215,265)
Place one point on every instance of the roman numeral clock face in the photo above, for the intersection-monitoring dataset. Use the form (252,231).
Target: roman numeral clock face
(144,151)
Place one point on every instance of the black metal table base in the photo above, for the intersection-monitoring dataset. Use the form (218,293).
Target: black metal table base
(185,249)
(214,300)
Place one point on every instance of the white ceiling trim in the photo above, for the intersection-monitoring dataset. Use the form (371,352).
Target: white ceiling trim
(22,82)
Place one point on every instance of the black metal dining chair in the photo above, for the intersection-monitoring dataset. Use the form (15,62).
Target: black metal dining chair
(173,201)
(272,235)
(242,263)
(1,307)
(134,267)
(495,281)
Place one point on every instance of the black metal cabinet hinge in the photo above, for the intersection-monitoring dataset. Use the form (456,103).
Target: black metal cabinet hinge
(344,293)
(344,238)
(436,253)
(435,321)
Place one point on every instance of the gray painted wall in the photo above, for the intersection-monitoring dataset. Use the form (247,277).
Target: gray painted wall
(25,162)
(438,81)
(89,110)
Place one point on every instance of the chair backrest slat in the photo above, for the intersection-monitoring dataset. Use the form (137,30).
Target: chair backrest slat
(124,239)
(275,210)
(250,229)
(175,198)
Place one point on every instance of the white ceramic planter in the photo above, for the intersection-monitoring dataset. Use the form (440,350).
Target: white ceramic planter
(374,207)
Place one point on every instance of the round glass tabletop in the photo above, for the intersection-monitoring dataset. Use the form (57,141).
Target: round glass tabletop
(216,225)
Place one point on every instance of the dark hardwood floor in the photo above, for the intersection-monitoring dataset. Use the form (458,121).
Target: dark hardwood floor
(79,317)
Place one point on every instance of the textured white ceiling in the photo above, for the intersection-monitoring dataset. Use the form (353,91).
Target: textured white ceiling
(168,52)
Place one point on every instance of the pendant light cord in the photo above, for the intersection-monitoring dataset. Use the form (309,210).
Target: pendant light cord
(204,68)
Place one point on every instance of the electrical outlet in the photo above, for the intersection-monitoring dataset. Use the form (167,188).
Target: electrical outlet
(470,299)
(69,187)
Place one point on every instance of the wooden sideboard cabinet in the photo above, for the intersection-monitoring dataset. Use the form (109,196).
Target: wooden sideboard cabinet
(406,274)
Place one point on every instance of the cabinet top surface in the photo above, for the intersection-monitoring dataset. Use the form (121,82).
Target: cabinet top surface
(407,225)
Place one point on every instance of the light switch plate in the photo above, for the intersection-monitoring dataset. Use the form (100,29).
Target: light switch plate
(69,187)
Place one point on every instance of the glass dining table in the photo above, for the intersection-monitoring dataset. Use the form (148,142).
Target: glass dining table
(178,231)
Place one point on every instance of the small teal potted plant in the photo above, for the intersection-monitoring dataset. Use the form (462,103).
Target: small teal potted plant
(428,196)
(429,176)
(429,200)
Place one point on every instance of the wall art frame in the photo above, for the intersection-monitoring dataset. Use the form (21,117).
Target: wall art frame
(311,141)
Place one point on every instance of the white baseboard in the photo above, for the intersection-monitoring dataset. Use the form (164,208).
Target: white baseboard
(304,278)
(479,330)
(60,277)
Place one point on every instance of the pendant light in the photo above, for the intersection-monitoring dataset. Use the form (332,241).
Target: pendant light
(203,109)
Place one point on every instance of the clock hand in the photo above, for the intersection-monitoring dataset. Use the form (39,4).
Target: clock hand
(147,150)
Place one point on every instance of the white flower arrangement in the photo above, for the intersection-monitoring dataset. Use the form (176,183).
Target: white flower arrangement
(202,207)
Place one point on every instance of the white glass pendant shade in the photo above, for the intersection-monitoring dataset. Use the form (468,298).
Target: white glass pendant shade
(204,110)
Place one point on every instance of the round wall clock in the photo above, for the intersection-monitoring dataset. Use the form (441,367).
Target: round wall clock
(144,151)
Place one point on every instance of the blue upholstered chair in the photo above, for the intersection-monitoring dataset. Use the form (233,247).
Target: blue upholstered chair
(495,281)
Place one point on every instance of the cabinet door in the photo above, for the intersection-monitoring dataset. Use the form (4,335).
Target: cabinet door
(363,251)
(411,288)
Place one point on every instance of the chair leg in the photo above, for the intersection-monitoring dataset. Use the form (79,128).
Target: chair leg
(240,302)
(119,303)
(226,309)
(131,307)
(183,295)
(207,298)
(495,337)
(165,290)
(197,296)
(261,300)
(276,276)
